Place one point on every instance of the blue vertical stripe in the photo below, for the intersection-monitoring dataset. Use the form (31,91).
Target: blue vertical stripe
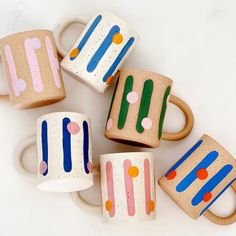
(86,146)
(44,136)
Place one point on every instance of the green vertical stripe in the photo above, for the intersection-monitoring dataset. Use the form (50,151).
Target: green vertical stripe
(144,104)
(124,103)
(163,111)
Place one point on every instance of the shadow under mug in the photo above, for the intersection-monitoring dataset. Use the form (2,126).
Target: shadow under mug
(199,178)
(64,153)
(99,52)
(32,70)
(127,186)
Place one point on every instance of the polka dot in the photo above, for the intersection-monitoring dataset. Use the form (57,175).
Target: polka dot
(117,38)
(207,197)
(43,167)
(109,124)
(202,173)
(73,128)
(147,123)
(132,97)
(108,205)
(74,53)
(151,205)
(90,167)
(171,175)
(109,80)
(133,171)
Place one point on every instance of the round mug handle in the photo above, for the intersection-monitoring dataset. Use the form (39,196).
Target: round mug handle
(3,97)
(59,31)
(189,120)
(76,197)
(18,158)
(219,220)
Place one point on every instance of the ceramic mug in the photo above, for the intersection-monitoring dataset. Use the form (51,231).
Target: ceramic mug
(128,187)
(138,109)
(99,52)
(198,179)
(64,153)
(32,70)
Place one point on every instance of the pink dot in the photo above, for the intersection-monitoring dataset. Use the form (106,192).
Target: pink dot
(43,167)
(147,123)
(73,128)
(109,123)
(90,166)
(132,97)
(36,43)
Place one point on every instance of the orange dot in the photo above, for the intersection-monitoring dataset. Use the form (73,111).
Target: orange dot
(171,175)
(108,205)
(207,197)
(117,38)
(151,205)
(133,171)
(109,80)
(202,173)
(74,53)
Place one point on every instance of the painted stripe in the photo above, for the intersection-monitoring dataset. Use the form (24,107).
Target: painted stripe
(102,49)
(186,156)
(211,184)
(163,111)
(31,44)
(44,140)
(118,59)
(144,104)
(124,107)
(53,62)
(147,184)
(87,35)
(129,188)
(86,146)
(67,163)
(192,176)
(110,187)
(222,191)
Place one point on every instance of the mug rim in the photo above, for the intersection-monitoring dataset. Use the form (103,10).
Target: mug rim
(114,154)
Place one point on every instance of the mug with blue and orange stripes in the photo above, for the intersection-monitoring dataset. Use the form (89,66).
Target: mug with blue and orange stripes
(99,52)
(200,177)
(64,153)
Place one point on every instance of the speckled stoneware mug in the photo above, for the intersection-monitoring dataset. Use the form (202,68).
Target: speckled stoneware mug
(128,187)
(64,153)
(138,109)
(99,52)
(199,178)
(32,70)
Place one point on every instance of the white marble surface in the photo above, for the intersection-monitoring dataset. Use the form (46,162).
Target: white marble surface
(193,42)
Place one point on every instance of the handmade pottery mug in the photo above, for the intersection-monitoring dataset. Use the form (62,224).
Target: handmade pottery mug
(32,70)
(64,153)
(198,179)
(128,187)
(100,50)
(138,109)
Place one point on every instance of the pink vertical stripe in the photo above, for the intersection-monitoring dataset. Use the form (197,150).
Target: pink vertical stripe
(53,62)
(18,85)
(147,185)
(110,187)
(30,46)
(129,188)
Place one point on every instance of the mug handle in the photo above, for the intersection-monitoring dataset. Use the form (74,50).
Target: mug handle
(18,158)
(3,97)
(189,120)
(76,197)
(60,30)
(219,220)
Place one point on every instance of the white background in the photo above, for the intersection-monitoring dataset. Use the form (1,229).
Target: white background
(193,42)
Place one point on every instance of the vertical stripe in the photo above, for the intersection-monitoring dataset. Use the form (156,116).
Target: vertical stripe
(144,104)
(86,146)
(124,103)
(67,163)
(44,140)
(163,111)
(129,188)
(147,185)
(110,187)
(118,59)
(102,49)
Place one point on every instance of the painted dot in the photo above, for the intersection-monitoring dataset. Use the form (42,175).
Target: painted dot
(73,128)
(43,167)
(133,171)
(202,173)
(109,80)
(132,97)
(151,205)
(74,53)
(146,123)
(90,167)
(36,43)
(117,38)
(109,124)
(108,205)
(171,175)
(207,197)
